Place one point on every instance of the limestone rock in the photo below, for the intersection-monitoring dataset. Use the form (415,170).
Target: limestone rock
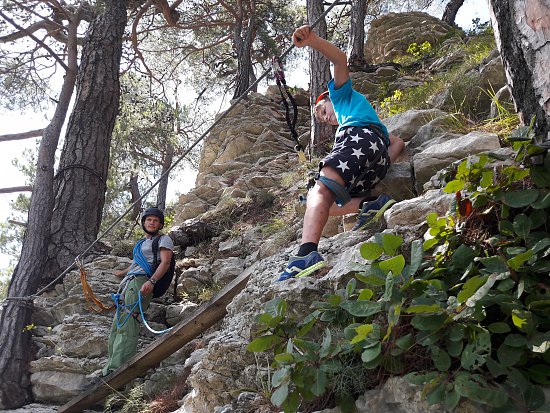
(437,157)
(390,35)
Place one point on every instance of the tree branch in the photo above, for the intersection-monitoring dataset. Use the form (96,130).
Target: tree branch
(32,36)
(13,189)
(20,136)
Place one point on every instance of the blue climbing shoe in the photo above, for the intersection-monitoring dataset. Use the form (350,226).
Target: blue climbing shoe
(372,210)
(302,266)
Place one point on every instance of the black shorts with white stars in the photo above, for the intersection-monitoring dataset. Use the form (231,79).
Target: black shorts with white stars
(354,155)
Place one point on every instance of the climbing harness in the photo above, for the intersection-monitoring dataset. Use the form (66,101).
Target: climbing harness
(166,173)
(343,194)
(94,304)
(279,74)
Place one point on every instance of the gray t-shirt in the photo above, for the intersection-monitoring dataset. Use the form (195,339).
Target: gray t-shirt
(147,250)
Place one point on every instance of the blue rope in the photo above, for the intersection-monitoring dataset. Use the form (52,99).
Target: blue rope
(116,299)
(140,260)
(145,321)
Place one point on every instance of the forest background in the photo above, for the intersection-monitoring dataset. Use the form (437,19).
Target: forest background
(16,153)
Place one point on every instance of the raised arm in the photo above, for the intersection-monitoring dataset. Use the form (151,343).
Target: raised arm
(304,36)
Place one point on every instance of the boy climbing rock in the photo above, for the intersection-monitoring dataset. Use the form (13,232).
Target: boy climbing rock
(361,155)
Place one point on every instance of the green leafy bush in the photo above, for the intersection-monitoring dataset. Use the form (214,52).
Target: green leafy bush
(463,313)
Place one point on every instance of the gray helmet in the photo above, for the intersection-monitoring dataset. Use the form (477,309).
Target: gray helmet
(152,211)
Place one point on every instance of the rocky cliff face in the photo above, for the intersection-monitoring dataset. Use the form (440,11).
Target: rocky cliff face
(244,211)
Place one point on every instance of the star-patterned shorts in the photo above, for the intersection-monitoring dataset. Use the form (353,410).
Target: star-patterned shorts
(355,149)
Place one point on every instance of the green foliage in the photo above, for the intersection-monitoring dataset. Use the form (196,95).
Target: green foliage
(134,401)
(464,313)
(453,81)
(419,51)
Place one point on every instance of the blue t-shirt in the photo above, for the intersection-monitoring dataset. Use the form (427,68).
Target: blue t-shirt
(352,108)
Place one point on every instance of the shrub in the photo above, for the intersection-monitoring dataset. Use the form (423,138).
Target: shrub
(464,313)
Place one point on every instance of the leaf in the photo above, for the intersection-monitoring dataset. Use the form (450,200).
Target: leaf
(454,186)
(463,257)
(433,308)
(371,353)
(361,308)
(362,332)
(276,307)
(394,264)
(392,364)
(470,287)
(542,202)
(486,179)
(454,348)
(451,400)
(404,342)
(508,356)
(350,287)
(494,264)
(319,383)
(284,358)
(499,327)
(325,346)
(520,198)
(495,368)
(441,359)
(480,392)
(391,243)
(515,340)
(417,255)
(331,366)
(371,251)
(475,353)
(524,321)
(263,343)
(436,394)
(540,175)
(365,294)
(292,402)
(456,332)
(279,395)
(522,225)
(280,376)
(430,322)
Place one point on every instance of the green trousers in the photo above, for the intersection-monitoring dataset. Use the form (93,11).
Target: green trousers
(123,340)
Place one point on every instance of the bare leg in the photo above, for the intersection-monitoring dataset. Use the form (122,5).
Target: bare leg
(319,202)
(396,147)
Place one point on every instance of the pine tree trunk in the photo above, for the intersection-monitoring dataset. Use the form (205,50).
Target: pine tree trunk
(243,38)
(319,75)
(80,182)
(163,184)
(522,32)
(16,350)
(356,43)
(451,9)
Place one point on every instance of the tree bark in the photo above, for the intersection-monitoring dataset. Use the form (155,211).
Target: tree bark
(319,75)
(356,43)
(522,32)
(15,352)
(163,184)
(451,9)
(25,188)
(80,182)
(135,194)
(242,39)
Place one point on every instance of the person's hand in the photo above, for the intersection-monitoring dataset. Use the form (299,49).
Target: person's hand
(119,273)
(302,36)
(146,288)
